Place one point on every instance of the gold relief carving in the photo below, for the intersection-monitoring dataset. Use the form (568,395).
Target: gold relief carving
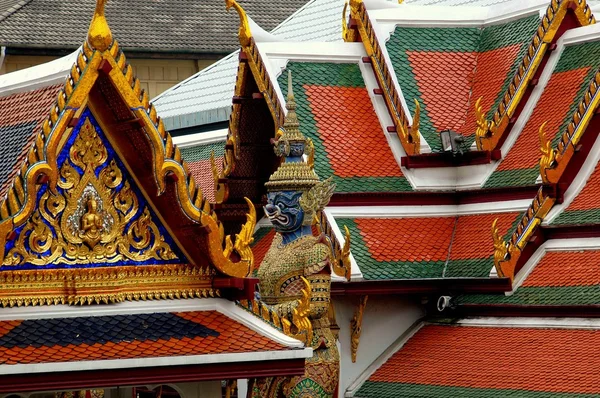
(300,315)
(483,126)
(529,223)
(340,265)
(356,326)
(244,239)
(105,284)
(90,222)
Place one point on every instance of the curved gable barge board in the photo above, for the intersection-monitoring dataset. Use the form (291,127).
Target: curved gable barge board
(104,81)
(559,17)
(362,29)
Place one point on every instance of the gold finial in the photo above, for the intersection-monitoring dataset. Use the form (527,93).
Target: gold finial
(244,32)
(99,34)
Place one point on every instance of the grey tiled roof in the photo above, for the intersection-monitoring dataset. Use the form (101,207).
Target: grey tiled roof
(191,26)
(206,97)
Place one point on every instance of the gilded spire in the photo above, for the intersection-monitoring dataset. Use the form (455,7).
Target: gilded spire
(99,34)
(291,144)
(291,126)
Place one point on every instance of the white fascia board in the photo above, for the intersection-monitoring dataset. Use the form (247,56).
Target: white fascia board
(383,358)
(554,245)
(355,273)
(198,139)
(38,76)
(428,210)
(527,322)
(225,307)
(576,36)
(456,16)
(570,37)
(152,362)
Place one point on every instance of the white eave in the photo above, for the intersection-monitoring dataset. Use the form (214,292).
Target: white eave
(38,76)
(295,347)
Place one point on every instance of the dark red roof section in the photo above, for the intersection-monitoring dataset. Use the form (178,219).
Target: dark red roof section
(21,117)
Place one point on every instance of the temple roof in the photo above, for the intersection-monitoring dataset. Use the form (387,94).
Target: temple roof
(206,97)
(483,360)
(188,27)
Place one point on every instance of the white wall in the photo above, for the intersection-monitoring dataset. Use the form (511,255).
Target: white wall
(385,319)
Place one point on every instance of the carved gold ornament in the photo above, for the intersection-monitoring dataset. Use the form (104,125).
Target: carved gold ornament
(483,126)
(548,153)
(300,319)
(316,198)
(90,222)
(244,239)
(356,326)
(500,248)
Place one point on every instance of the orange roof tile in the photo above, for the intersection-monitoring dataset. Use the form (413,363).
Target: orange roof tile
(354,141)
(553,106)
(492,68)
(127,336)
(444,80)
(569,268)
(528,359)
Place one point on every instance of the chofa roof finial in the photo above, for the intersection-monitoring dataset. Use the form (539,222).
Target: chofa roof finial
(99,34)
(244,32)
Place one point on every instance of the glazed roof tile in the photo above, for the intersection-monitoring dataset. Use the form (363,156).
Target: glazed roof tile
(452,361)
(448,69)
(126,336)
(262,242)
(560,278)
(584,209)
(21,117)
(560,98)
(334,110)
(198,160)
(426,247)
(177,26)
(206,97)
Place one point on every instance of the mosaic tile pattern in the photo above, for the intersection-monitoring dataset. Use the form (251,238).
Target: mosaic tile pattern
(262,241)
(425,247)
(560,278)
(584,209)
(568,83)
(448,69)
(198,160)
(126,336)
(335,111)
(490,362)
(21,116)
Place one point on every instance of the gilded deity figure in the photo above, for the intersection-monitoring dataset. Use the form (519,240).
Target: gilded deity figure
(298,261)
(91,222)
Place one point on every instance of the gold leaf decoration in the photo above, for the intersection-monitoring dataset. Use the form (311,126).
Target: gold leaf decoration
(90,221)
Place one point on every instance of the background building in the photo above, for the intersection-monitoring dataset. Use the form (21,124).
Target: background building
(184,38)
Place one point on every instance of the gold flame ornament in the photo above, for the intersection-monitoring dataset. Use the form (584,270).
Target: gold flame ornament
(99,34)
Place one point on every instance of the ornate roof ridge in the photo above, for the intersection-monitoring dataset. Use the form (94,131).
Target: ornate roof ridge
(489,132)
(40,166)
